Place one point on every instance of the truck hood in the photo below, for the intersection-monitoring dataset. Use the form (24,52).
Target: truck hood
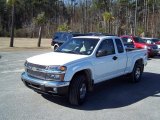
(146,44)
(158,43)
(150,44)
(54,58)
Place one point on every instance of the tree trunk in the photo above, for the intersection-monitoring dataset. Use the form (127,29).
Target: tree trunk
(135,20)
(39,37)
(153,19)
(12,26)
(86,17)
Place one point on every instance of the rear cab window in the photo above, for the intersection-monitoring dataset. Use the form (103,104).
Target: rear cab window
(119,45)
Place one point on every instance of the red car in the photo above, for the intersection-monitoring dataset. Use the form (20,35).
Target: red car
(141,44)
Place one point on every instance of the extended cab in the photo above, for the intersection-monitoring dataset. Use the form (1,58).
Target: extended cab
(81,62)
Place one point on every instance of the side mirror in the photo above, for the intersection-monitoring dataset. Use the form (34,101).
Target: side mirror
(101,53)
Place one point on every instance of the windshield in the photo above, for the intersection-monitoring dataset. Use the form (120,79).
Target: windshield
(57,35)
(84,46)
(138,40)
(62,36)
(66,37)
(155,40)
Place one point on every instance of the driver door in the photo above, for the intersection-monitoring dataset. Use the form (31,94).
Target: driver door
(106,65)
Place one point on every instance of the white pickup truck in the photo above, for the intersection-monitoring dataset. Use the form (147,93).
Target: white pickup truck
(77,65)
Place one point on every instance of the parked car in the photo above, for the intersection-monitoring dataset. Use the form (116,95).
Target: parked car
(141,44)
(155,41)
(74,68)
(60,37)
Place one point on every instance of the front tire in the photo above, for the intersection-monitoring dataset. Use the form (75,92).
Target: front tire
(55,47)
(78,90)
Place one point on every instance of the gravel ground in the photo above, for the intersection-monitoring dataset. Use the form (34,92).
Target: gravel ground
(116,99)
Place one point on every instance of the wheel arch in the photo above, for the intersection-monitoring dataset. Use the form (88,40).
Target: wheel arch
(55,45)
(88,75)
(140,62)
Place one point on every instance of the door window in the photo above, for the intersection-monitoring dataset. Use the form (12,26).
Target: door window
(107,45)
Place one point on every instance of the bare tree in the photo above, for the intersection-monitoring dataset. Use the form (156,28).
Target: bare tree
(40,20)
(12,3)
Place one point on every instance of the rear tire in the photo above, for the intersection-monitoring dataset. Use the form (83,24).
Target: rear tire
(135,75)
(151,56)
(78,90)
(55,47)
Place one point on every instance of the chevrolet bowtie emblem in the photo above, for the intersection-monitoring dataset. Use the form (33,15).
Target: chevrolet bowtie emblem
(34,69)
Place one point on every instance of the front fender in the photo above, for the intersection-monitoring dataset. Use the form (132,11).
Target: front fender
(73,69)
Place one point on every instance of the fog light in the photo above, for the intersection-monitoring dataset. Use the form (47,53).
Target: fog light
(55,76)
(55,90)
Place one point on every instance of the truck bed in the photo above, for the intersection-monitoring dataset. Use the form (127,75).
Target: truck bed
(131,49)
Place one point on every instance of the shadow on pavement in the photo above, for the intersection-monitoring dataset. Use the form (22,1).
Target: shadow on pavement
(116,93)
(157,57)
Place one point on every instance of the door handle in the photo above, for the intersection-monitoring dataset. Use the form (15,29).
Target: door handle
(115,58)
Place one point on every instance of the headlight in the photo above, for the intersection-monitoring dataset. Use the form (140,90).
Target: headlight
(25,64)
(56,73)
(57,69)
(56,77)
(147,47)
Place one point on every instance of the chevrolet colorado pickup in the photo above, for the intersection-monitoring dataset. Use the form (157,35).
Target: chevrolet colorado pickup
(81,62)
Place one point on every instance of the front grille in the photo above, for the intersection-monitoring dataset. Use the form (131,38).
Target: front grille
(36,71)
(36,66)
(36,74)
(154,47)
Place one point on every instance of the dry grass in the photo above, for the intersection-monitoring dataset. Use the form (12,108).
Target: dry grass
(23,44)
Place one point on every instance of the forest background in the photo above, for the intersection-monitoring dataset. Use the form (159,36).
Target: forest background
(26,18)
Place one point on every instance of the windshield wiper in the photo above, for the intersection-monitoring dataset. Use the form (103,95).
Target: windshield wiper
(73,52)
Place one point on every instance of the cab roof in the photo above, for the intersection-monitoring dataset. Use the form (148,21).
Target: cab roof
(97,37)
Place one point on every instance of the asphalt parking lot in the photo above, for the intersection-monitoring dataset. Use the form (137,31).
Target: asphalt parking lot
(117,99)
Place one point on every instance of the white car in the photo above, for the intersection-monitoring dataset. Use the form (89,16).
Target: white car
(152,41)
(81,62)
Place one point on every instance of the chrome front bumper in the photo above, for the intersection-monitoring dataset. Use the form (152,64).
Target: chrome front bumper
(55,87)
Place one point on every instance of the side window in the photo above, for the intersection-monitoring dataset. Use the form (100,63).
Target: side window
(119,46)
(107,45)
(127,40)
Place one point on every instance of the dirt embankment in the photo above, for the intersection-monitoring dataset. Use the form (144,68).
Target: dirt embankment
(23,44)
